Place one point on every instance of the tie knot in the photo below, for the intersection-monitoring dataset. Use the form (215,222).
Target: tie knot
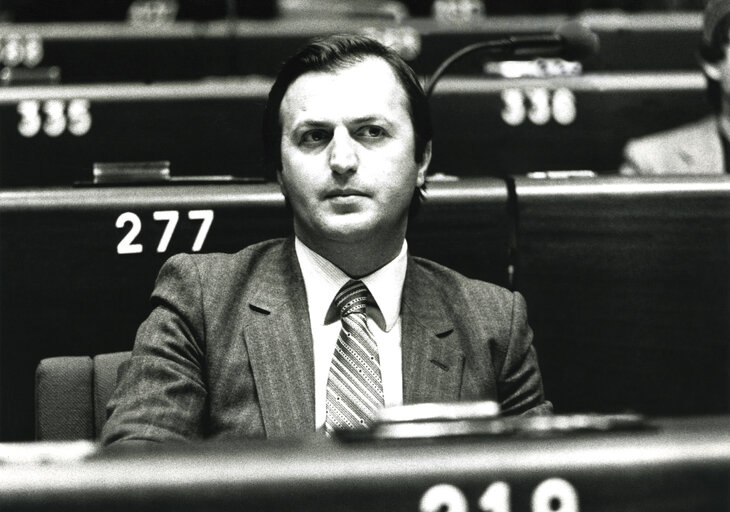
(352,298)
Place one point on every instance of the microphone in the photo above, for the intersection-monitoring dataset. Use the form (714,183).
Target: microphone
(572,41)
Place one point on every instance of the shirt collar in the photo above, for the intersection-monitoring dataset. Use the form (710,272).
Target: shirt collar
(322,281)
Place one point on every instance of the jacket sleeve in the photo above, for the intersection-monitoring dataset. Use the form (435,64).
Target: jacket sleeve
(161,395)
(520,382)
(632,165)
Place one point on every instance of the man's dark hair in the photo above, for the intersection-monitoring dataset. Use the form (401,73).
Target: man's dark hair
(335,53)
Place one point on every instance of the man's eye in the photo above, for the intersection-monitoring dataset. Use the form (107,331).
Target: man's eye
(372,131)
(314,136)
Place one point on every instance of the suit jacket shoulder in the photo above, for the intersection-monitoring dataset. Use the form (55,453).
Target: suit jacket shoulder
(221,352)
(693,148)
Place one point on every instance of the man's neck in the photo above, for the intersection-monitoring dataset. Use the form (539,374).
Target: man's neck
(357,259)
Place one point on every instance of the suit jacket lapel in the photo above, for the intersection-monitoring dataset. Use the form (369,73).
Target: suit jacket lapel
(433,361)
(279,341)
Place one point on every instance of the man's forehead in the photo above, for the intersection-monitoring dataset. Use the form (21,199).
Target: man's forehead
(357,88)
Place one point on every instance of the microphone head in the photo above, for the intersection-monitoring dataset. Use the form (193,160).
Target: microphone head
(577,40)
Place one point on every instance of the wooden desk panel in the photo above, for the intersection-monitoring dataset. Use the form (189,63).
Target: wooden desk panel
(73,283)
(673,465)
(628,287)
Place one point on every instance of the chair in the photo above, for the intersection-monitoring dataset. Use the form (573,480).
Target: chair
(71,394)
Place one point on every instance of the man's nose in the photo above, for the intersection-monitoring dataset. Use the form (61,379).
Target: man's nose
(343,152)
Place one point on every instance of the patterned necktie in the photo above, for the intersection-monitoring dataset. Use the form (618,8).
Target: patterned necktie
(354,386)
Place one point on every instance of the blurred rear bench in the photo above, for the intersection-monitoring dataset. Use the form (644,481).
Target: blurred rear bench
(483,126)
(86,52)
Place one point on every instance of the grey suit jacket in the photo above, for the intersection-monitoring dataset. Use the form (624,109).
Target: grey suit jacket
(227,350)
(694,148)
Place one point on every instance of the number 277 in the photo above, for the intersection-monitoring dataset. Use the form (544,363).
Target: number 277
(128,245)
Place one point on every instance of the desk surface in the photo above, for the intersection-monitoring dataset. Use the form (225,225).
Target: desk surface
(672,465)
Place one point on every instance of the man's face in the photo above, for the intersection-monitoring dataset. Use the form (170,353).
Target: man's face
(347,154)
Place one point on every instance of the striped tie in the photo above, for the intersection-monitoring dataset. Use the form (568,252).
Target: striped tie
(354,386)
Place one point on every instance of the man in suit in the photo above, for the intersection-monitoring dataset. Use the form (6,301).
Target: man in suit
(241,345)
(700,147)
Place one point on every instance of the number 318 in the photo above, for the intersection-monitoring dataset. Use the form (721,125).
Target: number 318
(552,495)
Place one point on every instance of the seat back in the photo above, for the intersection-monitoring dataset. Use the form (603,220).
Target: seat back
(71,394)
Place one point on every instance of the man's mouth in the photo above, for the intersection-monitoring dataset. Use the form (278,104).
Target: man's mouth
(344,193)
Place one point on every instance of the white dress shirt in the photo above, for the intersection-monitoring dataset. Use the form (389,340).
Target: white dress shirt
(322,281)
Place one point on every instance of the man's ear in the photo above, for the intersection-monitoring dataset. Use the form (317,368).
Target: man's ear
(423,166)
(711,69)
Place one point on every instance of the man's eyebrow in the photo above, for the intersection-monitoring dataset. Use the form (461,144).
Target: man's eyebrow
(369,119)
(307,123)
(318,123)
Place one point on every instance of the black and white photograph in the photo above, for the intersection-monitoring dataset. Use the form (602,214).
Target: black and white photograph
(365,255)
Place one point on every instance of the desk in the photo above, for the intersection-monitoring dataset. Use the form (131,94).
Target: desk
(676,465)
(628,285)
(77,266)
(498,127)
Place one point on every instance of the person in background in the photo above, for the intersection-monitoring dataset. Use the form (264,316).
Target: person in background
(700,147)
(320,330)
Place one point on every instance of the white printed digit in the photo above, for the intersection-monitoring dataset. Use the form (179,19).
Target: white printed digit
(30,119)
(539,111)
(495,498)
(171,217)
(564,109)
(207,217)
(443,498)
(126,246)
(79,117)
(33,50)
(55,122)
(513,111)
(13,51)
(555,495)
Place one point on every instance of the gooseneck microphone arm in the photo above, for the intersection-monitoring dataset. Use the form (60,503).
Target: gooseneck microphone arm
(572,40)
(454,57)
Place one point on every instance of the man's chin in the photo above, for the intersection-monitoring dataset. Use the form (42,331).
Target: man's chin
(354,230)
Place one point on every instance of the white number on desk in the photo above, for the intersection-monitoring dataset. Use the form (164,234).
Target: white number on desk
(16,50)
(495,498)
(513,112)
(55,119)
(33,50)
(207,217)
(443,498)
(79,118)
(128,246)
(30,118)
(55,122)
(555,495)
(564,110)
(538,105)
(552,495)
(171,218)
